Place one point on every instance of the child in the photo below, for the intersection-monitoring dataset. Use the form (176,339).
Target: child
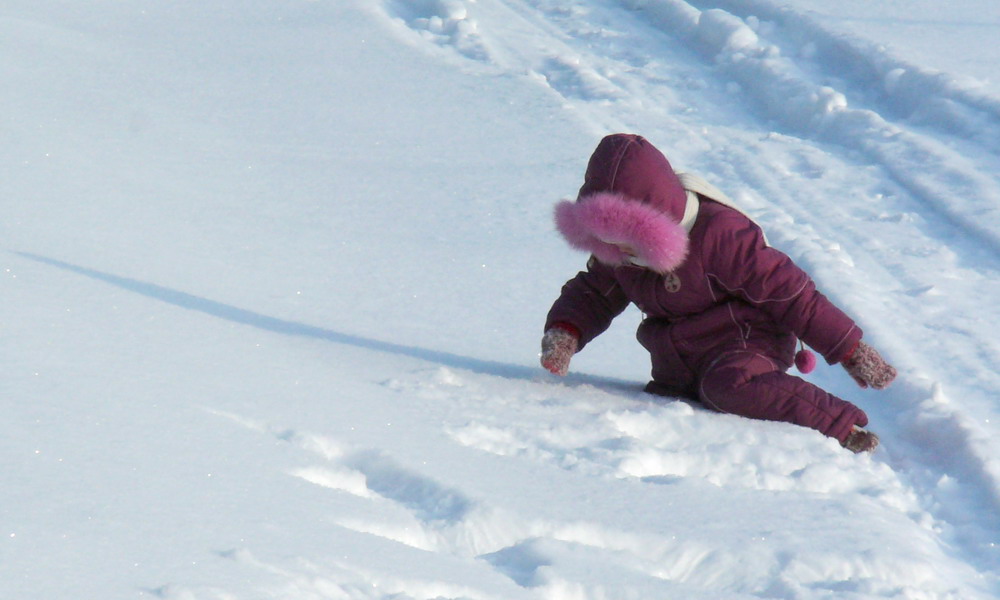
(722,309)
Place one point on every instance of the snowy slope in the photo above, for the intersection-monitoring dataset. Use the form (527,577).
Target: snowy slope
(273,277)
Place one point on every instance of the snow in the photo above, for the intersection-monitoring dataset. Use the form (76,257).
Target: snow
(274,275)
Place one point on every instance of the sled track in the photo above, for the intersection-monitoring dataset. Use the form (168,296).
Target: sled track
(836,90)
(934,138)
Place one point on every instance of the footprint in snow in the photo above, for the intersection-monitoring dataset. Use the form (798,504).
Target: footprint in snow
(370,473)
(443,22)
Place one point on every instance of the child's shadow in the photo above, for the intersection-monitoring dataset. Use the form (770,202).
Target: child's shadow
(292,328)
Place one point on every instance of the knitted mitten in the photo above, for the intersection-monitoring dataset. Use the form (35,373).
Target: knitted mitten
(861,440)
(558,347)
(868,368)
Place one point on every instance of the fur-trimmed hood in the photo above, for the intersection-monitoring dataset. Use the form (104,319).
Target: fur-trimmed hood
(632,197)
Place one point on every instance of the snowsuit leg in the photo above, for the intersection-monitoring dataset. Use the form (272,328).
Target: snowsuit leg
(751,384)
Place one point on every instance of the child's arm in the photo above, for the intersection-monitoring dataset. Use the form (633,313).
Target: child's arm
(585,308)
(743,265)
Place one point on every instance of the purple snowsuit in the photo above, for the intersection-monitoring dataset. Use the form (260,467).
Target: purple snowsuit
(721,325)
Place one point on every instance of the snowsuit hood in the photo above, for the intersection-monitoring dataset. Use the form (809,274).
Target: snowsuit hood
(632,197)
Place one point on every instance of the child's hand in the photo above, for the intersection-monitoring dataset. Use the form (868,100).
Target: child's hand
(868,368)
(558,347)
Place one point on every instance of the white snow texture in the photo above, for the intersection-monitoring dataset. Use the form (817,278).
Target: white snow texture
(273,277)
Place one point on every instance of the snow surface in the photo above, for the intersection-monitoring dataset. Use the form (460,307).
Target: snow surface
(273,277)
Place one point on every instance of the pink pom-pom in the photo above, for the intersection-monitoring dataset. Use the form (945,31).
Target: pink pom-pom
(805,361)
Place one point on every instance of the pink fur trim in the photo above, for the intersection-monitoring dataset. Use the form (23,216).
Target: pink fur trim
(594,223)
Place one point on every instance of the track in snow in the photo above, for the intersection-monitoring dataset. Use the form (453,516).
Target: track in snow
(659,466)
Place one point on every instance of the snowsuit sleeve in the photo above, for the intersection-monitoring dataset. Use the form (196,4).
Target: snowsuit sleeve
(589,302)
(743,265)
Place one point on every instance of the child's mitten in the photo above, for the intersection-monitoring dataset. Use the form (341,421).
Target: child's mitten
(558,347)
(868,368)
(860,440)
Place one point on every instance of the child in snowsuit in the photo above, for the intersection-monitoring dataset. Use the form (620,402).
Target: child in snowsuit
(722,309)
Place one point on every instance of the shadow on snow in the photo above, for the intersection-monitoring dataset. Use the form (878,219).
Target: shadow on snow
(291,328)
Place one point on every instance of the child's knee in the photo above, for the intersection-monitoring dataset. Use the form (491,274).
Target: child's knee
(727,384)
